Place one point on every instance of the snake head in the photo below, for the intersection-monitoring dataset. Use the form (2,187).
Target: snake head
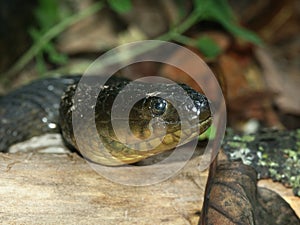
(148,119)
(166,122)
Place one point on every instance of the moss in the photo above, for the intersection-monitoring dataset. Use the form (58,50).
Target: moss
(274,154)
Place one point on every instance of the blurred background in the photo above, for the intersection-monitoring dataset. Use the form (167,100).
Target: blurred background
(253,47)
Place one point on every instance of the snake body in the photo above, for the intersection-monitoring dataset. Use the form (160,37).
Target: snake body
(47,105)
(31,110)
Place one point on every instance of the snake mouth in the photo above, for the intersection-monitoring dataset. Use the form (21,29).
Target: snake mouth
(178,135)
(157,145)
(197,130)
(205,116)
(205,124)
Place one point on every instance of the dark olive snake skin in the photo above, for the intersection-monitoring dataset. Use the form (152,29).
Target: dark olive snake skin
(33,110)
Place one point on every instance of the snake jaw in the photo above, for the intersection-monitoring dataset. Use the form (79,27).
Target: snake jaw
(205,124)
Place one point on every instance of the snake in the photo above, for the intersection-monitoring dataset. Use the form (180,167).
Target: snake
(47,106)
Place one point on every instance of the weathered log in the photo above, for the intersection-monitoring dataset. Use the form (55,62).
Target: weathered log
(64,189)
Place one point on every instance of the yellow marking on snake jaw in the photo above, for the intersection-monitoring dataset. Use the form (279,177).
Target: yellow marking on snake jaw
(168,139)
(144,145)
(177,133)
(154,142)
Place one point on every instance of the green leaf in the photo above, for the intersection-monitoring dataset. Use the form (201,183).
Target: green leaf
(230,23)
(120,6)
(49,48)
(55,56)
(224,8)
(47,13)
(214,8)
(208,47)
(34,33)
(220,11)
(201,4)
(210,134)
(243,33)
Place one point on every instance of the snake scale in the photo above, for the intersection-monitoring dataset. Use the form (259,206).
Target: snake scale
(46,106)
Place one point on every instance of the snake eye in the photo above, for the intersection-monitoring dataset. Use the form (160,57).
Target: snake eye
(158,106)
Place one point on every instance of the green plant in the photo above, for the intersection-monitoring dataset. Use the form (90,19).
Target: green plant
(120,6)
(47,14)
(46,38)
(220,12)
(52,21)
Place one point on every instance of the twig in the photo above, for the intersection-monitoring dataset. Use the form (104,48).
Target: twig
(53,32)
(49,35)
(170,35)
